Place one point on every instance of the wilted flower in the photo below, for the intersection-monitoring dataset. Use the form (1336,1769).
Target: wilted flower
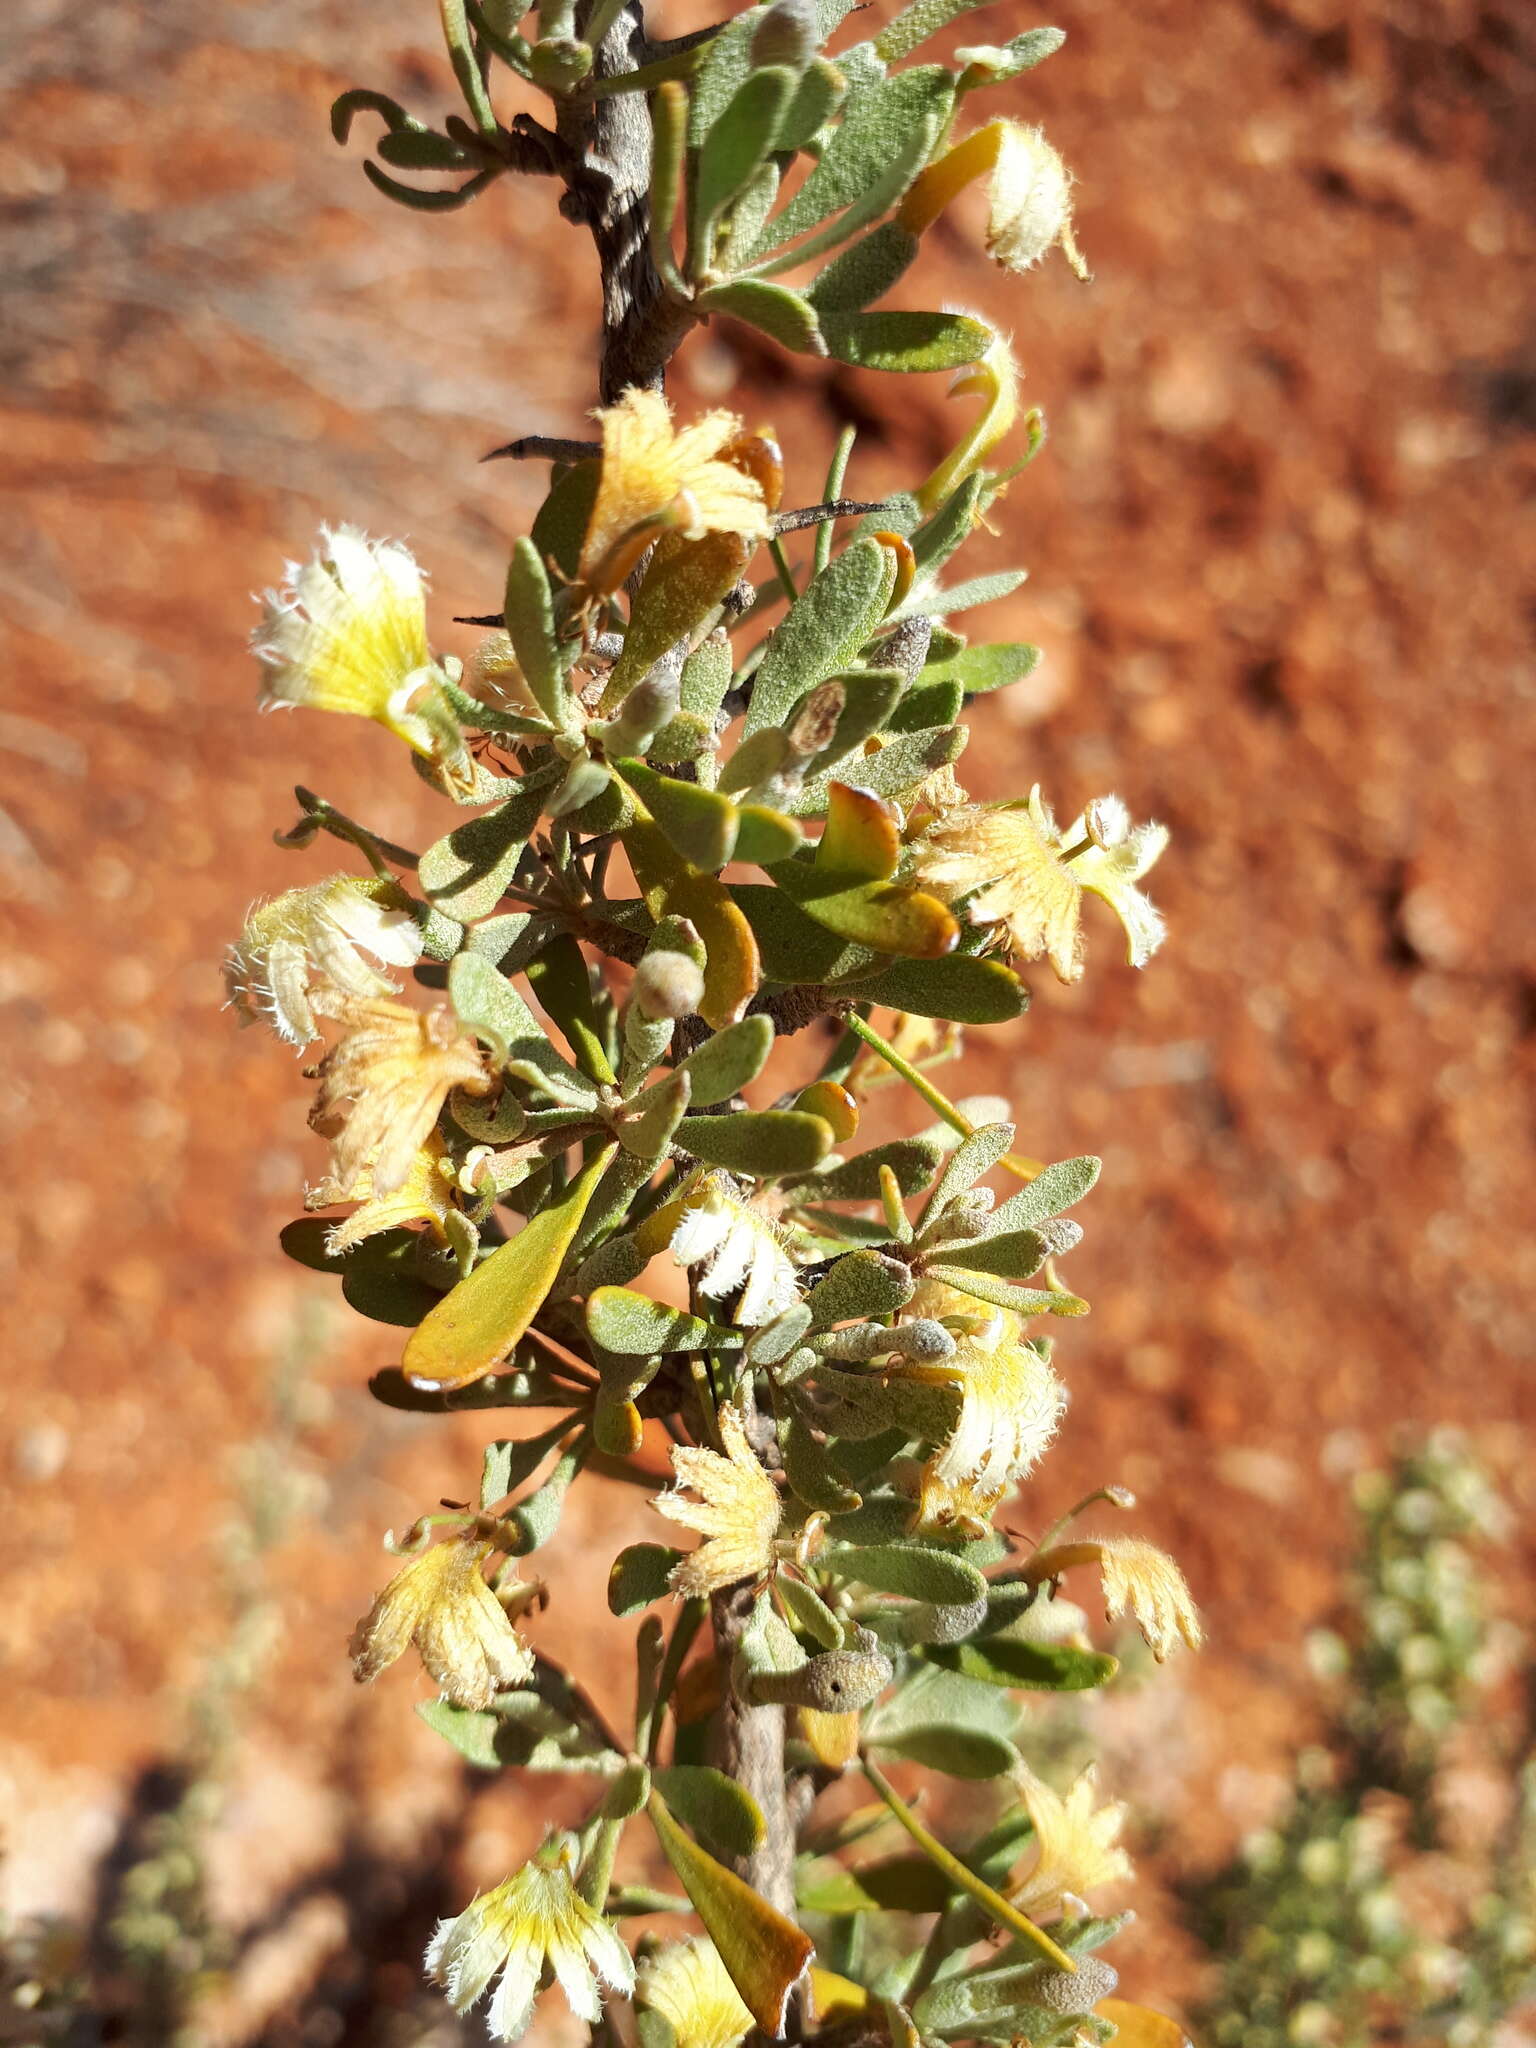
(737,1512)
(442,1603)
(348,632)
(1010,1404)
(422,1197)
(994,379)
(655,477)
(535,1917)
(1029,876)
(731,1245)
(1139,1576)
(1031,193)
(318,934)
(1078,1845)
(690,1987)
(383,1084)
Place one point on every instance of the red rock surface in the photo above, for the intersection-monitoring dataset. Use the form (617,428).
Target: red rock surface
(1273,562)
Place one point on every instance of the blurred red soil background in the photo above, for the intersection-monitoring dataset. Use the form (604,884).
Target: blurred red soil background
(1274,566)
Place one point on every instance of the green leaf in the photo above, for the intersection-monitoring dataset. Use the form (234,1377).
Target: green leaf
(860,1287)
(904,341)
(869,697)
(809,1470)
(819,93)
(697,822)
(822,631)
(683,582)
(915,24)
(530,616)
(648,1122)
(888,917)
(726,1063)
(466,874)
(911,1570)
(959,1752)
(473,1328)
(898,1884)
(737,143)
(1019,1301)
(560,525)
(1058,1188)
(914,1161)
(1023,53)
(762,1143)
(764,836)
(809,1612)
(773,309)
(1033,1667)
(714,1806)
(639,1577)
(793,947)
(626,1321)
(511,1460)
(725,66)
(926,705)
(895,771)
(887,129)
(960,597)
(473,1733)
(562,981)
(410,149)
(972,1159)
(706,676)
(958,987)
(764,1954)
(1011,1254)
(865,271)
(977,669)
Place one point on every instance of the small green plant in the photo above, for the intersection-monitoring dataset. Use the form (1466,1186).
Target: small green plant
(709,819)
(1319,1948)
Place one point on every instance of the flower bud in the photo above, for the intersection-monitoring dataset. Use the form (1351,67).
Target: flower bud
(786,35)
(1031,202)
(667,985)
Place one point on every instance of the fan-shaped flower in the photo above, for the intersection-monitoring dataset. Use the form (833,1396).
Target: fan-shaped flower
(318,933)
(656,477)
(441,1602)
(690,1987)
(384,1083)
(536,1917)
(1020,871)
(348,632)
(729,1245)
(737,1512)
(1077,1846)
(1010,1404)
(1139,1576)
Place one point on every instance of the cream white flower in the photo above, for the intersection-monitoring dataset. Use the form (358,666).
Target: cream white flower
(738,1512)
(731,1245)
(317,934)
(383,1084)
(1029,876)
(655,477)
(1031,201)
(1077,1846)
(535,1917)
(1010,1404)
(687,1983)
(348,632)
(1139,1576)
(424,1196)
(442,1603)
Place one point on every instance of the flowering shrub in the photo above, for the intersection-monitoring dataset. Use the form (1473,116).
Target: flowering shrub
(708,801)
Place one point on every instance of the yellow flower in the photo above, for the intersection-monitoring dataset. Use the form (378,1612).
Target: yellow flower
(422,1197)
(442,1603)
(383,1084)
(687,1983)
(737,1512)
(1078,1845)
(1139,1576)
(1010,1404)
(318,934)
(536,1917)
(1030,876)
(655,477)
(348,632)
(731,1245)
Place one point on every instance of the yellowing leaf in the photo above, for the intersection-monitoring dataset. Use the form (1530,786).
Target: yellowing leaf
(474,1326)
(863,835)
(1139,2027)
(765,1954)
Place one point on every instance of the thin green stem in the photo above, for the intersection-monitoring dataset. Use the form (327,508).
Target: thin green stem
(1015,1162)
(991,1902)
(781,563)
(684,1630)
(833,491)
